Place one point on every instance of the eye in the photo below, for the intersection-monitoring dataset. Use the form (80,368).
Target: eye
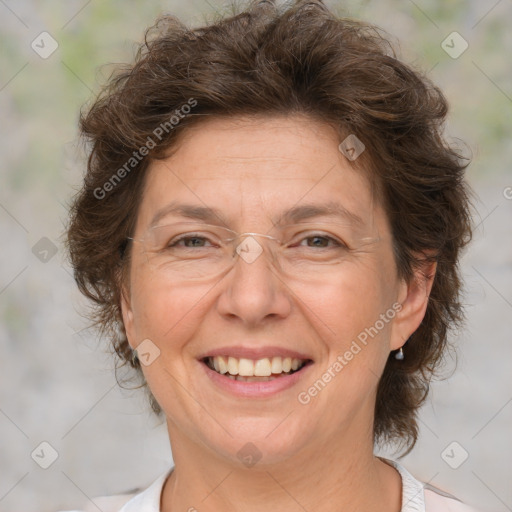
(322,241)
(195,240)
(318,241)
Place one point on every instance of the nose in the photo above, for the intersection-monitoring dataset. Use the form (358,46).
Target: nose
(254,292)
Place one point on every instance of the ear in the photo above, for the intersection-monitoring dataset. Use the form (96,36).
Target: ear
(127,313)
(413,296)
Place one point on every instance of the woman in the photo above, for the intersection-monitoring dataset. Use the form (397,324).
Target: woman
(270,227)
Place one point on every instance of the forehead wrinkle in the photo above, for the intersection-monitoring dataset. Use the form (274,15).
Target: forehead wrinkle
(258,159)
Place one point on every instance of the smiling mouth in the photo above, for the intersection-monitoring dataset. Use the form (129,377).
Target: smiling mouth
(249,370)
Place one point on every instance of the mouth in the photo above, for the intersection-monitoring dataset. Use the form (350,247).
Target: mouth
(259,370)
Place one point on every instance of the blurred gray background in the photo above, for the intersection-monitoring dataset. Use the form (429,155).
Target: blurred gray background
(57,379)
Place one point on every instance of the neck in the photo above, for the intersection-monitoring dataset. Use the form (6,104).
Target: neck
(346,477)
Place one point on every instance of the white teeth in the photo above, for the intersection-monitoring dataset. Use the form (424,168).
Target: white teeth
(262,368)
(277,366)
(287,364)
(232,366)
(244,369)
(223,365)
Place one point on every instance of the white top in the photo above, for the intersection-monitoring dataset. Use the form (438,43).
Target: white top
(416,497)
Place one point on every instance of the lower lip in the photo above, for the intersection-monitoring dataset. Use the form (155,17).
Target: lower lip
(261,389)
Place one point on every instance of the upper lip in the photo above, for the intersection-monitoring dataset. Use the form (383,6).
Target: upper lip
(254,353)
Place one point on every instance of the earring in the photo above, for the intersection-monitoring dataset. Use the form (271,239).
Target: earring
(400,355)
(135,358)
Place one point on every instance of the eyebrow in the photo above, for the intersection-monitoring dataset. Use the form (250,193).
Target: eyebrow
(295,214)
(308,211)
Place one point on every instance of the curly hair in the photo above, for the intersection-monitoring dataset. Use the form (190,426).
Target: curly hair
(303,59)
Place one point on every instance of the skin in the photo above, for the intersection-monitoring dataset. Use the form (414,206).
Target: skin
(317,456)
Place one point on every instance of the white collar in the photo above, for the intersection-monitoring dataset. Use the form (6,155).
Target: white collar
(413,496)
(149,499)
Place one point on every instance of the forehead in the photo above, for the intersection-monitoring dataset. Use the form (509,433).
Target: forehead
(249,170)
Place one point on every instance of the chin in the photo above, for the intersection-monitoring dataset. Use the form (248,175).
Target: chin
(258,442)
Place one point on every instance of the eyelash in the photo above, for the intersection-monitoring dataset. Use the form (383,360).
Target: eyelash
(187,236)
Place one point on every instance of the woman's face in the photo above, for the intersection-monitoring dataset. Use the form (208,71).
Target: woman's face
(339,309)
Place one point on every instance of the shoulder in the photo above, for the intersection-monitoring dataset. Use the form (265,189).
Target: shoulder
(439,501)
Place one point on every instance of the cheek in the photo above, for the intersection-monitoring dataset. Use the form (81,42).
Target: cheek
(355,321)
(160,311)
(351,301)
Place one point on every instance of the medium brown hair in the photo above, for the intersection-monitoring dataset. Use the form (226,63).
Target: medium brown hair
(266,60)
